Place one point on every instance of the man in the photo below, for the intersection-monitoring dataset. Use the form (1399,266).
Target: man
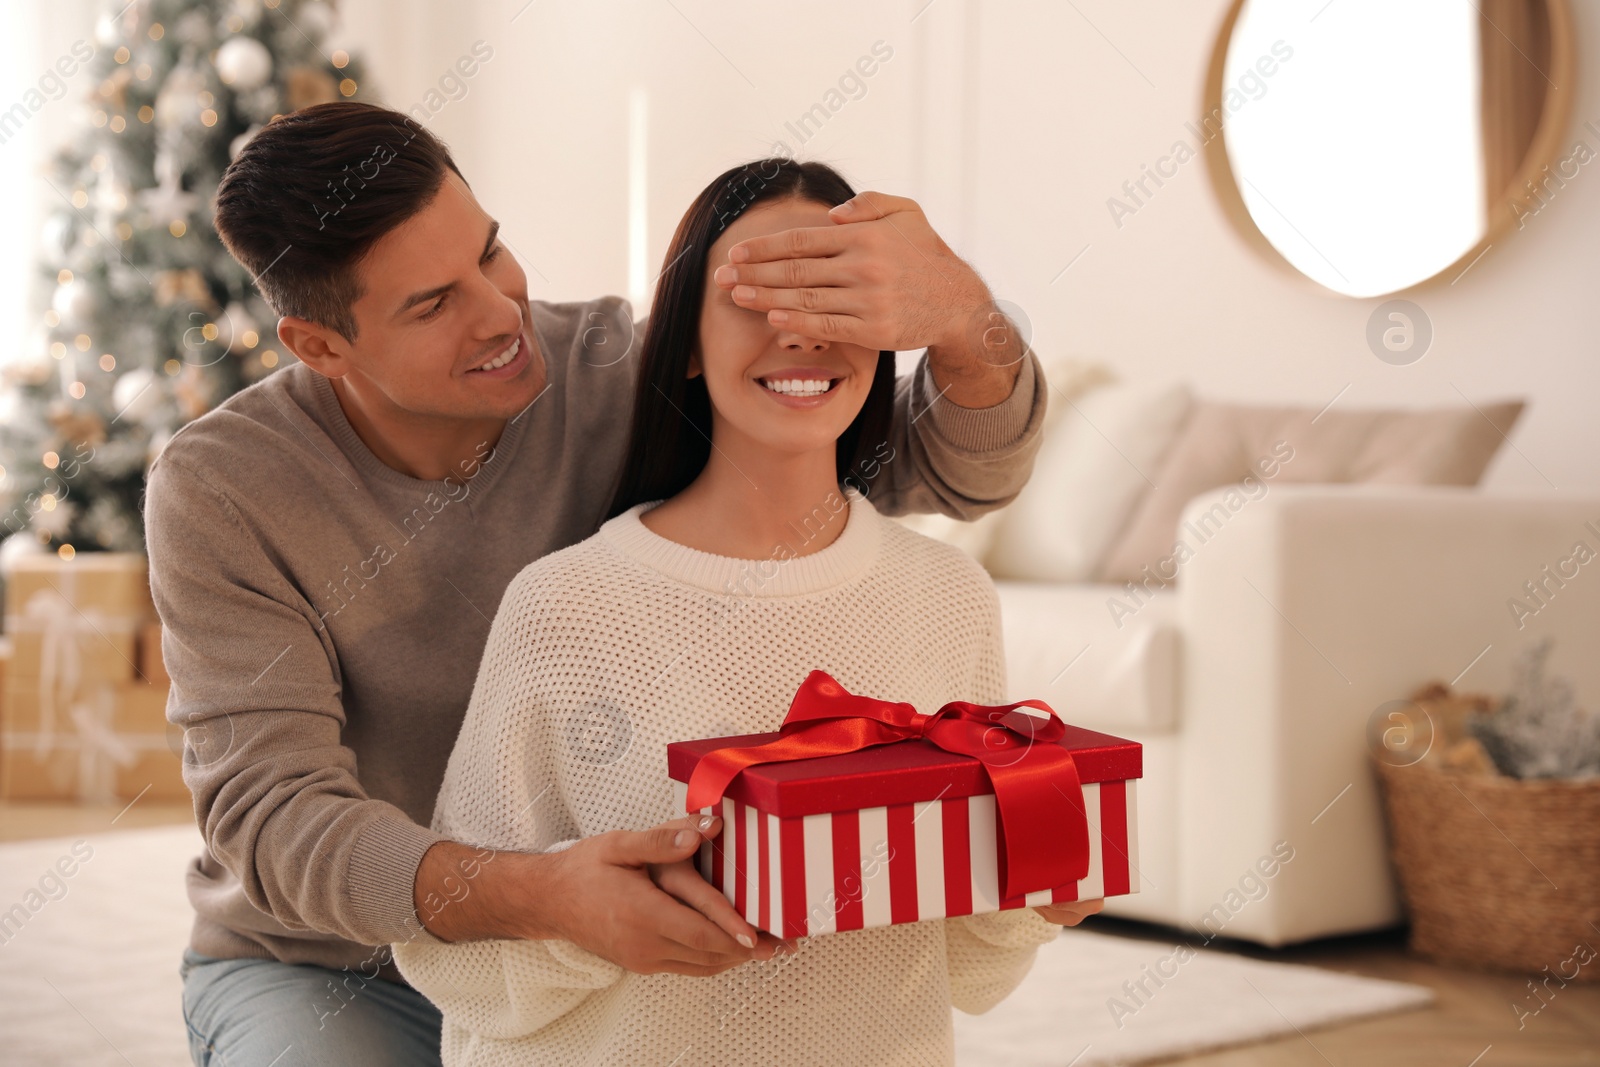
(327,549)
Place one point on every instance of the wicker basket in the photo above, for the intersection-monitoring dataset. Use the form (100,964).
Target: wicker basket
(1497,872)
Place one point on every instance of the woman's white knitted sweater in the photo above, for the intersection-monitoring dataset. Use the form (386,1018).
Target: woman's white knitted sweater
(603,653)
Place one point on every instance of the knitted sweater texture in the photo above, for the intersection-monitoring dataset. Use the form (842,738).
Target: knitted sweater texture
(605,652)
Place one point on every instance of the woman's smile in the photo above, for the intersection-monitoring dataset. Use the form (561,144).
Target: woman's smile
(801,387)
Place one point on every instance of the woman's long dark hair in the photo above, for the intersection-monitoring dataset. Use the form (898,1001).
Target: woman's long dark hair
(670,439)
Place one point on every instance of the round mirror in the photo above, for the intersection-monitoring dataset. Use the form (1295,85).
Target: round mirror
(1372,145)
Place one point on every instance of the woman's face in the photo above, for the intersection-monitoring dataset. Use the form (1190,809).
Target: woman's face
(771,388)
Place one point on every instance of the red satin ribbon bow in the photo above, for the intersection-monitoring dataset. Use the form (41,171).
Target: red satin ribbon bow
(1038,795)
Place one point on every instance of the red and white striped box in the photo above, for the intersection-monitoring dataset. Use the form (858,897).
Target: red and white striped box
(895,834)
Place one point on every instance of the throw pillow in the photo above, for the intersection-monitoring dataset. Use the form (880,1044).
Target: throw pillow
(1097,459)
(1261,446)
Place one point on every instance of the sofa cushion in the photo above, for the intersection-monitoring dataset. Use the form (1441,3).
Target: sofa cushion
(1069,378)
(1065,647)
(1098,458)
(1224,444)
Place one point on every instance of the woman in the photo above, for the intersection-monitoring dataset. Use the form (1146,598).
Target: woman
(742,553)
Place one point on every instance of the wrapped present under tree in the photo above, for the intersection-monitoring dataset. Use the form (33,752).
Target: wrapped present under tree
(80,721)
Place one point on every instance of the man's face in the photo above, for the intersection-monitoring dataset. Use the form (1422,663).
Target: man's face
(442,300)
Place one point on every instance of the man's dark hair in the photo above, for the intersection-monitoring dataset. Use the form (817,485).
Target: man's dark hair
(312,192)
(670,439)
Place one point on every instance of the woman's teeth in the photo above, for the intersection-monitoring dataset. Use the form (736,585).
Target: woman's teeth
(798,386)
(503,358)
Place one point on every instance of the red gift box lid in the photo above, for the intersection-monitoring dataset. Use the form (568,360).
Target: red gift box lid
(902,773)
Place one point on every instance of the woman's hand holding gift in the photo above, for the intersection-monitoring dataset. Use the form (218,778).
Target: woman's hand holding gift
(1071,913)
(682,882)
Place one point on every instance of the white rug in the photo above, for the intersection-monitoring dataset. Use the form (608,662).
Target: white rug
(1073,1007)
(89,975)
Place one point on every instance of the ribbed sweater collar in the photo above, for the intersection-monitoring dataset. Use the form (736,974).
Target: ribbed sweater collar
(850,555)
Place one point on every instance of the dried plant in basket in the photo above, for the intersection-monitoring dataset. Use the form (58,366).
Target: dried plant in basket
(1539,731)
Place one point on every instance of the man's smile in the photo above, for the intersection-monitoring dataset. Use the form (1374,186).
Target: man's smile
(508,362)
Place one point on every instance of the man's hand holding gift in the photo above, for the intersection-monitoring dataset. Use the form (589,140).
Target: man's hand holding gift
(660,916)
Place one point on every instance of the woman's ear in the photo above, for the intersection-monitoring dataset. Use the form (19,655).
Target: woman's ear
(695,370)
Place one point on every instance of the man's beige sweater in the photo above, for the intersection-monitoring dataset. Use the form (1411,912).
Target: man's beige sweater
(325,615)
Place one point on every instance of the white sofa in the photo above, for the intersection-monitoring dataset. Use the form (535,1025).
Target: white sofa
(1251,684)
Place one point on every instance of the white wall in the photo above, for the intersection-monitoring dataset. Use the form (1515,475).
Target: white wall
(1012,121)
(1064,120)
(542,134)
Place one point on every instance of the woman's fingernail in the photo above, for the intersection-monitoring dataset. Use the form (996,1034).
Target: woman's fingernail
(726,275)
(739,254)
(744,939)
(844,208)
(777,318)
(705,823)
(744,292)
(684,838)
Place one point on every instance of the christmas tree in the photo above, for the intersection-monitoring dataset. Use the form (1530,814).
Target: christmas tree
(146,321)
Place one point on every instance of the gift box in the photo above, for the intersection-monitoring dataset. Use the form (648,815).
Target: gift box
(114,744)
(71,773)
(79,723)
(77,620)
(114,584)
(863,813)
(152,668)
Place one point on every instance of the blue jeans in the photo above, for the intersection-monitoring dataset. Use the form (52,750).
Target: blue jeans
(262,1013)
